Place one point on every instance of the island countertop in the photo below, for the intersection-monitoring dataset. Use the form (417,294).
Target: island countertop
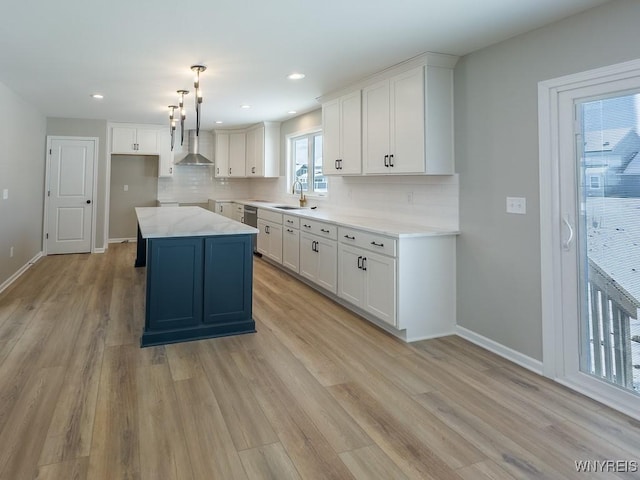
(166,222)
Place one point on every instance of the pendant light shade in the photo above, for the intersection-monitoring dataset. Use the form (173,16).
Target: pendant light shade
(196,84)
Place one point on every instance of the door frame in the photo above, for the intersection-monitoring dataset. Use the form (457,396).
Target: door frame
(553,129)
(47,183)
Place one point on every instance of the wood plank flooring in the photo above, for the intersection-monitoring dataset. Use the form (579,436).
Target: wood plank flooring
(316,393)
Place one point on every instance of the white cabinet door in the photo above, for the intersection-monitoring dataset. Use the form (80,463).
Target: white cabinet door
(380,287)
(342,135)
(407,122)
(225,209)
(327,276)
(376,127)
(394,125)
(351,133)
(165,160)
(222,155)
(270,240)
(319,260)
(309,259)
(291,248)
(123,140)
(147,141)
(275,242)
(331,137)
(256,152)
(237,154)
(351,274)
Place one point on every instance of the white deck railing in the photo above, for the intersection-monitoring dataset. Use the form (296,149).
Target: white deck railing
(610,309)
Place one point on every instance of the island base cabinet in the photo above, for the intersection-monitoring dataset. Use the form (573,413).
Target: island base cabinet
(227,266)
(198,287)
(174,283)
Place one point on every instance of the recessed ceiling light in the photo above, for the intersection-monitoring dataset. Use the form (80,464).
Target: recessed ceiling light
(291,112)
(295,76)
(245,106)
(218,121)
(99,96)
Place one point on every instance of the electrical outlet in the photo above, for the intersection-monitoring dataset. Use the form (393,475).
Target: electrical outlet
(11,252)
(5,194)
(126,188)
(517,205)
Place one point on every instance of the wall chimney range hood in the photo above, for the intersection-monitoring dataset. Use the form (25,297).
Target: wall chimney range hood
(194,158)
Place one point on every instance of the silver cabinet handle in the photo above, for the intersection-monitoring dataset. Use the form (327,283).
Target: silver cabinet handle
(567,244)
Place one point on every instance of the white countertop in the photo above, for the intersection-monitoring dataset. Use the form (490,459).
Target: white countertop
(161,222)
(380,225)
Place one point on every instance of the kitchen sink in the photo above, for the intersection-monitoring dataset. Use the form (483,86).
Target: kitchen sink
(288,207)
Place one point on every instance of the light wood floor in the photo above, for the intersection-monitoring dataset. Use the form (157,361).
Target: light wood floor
(317,393)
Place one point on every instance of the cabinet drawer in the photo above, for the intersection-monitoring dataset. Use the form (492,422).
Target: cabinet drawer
(370,241)
(291,221)
(321,229)
(270,216)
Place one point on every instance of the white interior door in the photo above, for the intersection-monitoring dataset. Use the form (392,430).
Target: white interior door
(70,195)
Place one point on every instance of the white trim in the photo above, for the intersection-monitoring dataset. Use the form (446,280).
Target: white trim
(45,216)
(99,250)
(499,349)
(616,398)
(20,271)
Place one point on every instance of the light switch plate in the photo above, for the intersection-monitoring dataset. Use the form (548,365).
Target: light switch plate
(517,205)
(5,194)
(126,188)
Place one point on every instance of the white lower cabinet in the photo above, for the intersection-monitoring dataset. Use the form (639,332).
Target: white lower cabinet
(270,235)
(319,260)
(368,281)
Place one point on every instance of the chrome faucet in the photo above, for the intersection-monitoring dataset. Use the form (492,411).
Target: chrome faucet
(303,199)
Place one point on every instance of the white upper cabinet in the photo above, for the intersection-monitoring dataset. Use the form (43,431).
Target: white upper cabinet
(342,135)
(400,123)
(251,152)
(139,140)
(165,154)
(237,154)
(263,150)
(393,124)
(222,155)
(230,154)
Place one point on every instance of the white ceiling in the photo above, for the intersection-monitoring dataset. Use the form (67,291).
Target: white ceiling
(137,53)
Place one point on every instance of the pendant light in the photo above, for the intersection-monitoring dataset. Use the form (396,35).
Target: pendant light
(196,84)
(183,113)
(172,123)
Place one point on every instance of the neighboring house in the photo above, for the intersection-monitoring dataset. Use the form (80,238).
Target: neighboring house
(612,165)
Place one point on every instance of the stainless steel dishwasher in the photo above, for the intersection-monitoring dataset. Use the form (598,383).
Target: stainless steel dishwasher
(251,218)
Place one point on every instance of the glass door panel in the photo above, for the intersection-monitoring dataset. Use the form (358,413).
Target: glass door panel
(608,231)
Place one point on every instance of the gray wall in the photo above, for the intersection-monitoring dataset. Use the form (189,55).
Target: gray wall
(73,127)
(498,256)
(140,174)
(22,166)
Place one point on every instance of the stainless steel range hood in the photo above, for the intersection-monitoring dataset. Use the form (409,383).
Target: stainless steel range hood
(194,157)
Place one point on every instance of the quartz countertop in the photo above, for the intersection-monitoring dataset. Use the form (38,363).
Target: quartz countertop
(370,223)
(161,222)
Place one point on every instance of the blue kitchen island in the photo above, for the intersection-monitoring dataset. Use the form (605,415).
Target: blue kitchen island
(199,274)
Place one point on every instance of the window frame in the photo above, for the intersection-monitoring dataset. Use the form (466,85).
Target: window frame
(290,138)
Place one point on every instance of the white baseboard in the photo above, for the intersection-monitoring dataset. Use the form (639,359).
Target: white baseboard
(20,271)
(499,349)
(99,250)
